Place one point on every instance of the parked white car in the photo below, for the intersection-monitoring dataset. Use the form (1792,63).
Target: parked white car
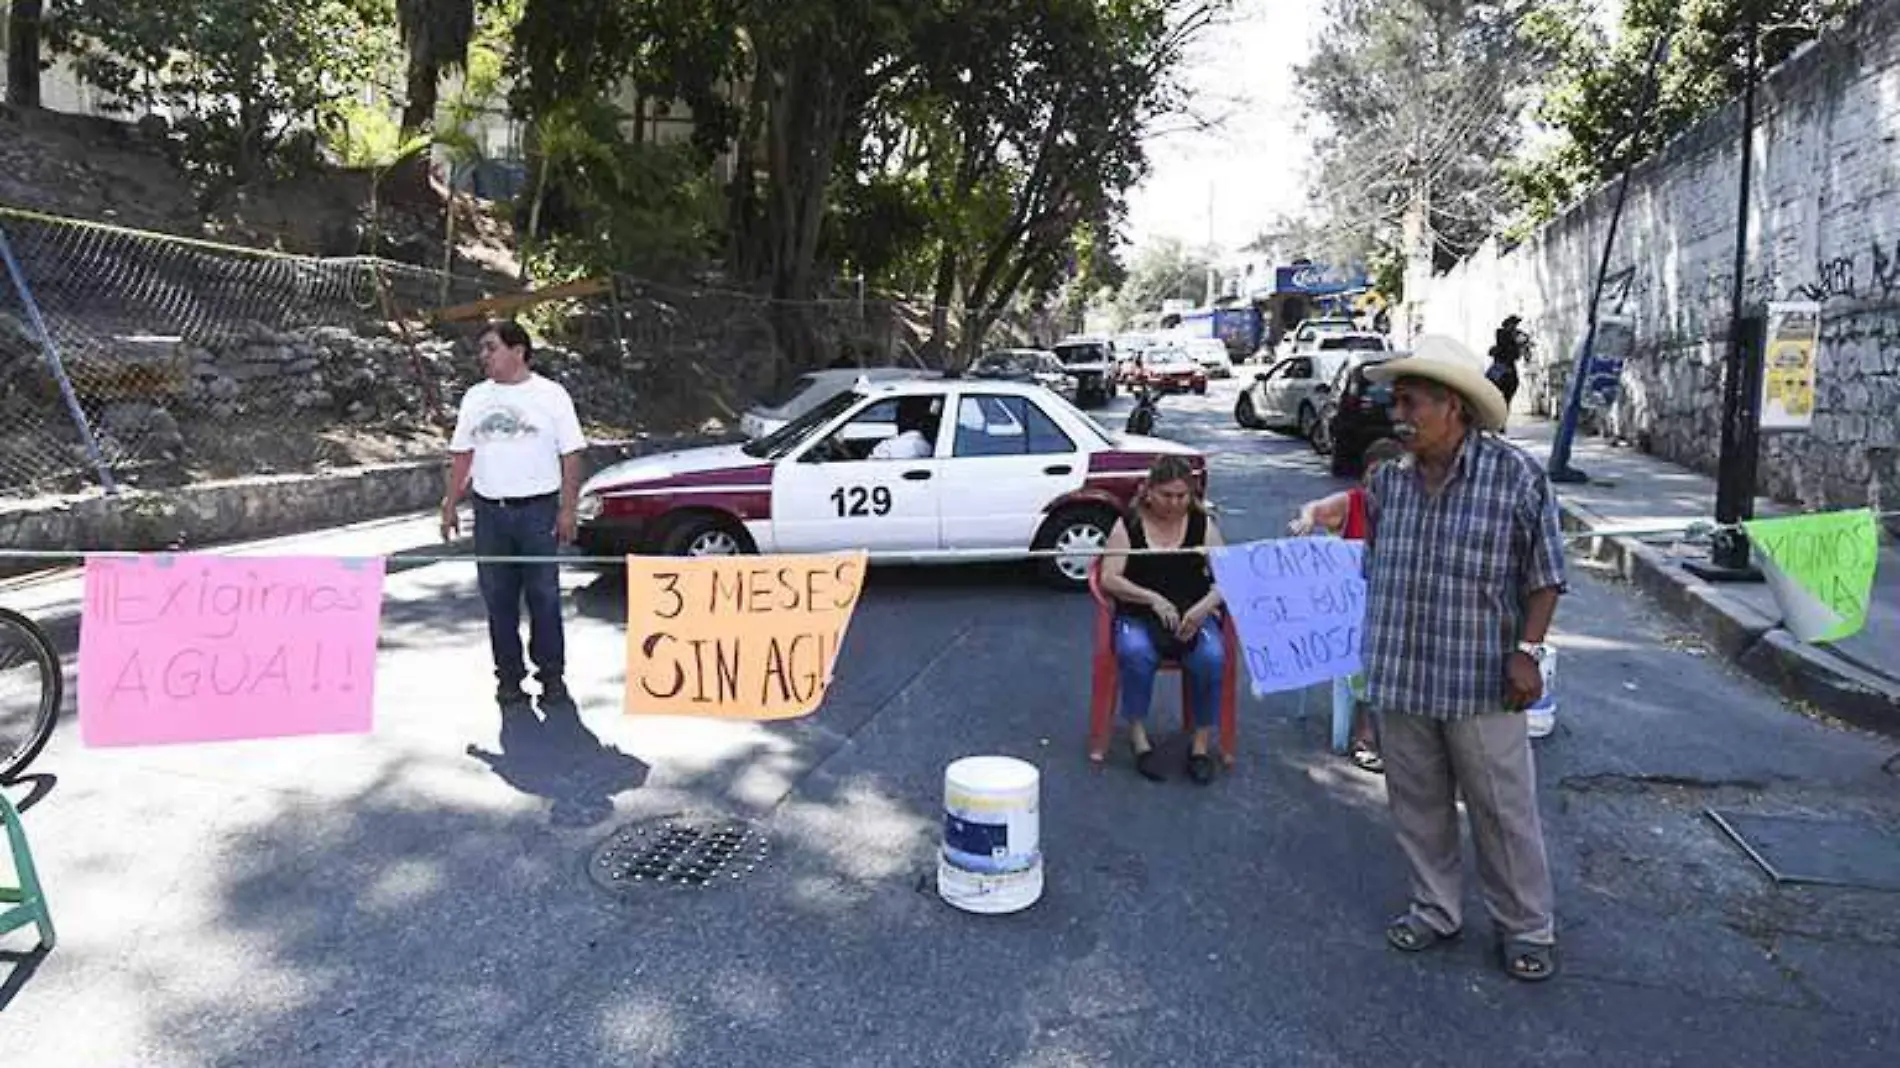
(1211,353)
(808,391)
(1307,336)
(1291,394)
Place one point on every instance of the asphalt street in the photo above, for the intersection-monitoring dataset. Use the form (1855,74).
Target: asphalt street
(420,896)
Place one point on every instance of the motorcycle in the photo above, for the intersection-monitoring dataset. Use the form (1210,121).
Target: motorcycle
(1147,409)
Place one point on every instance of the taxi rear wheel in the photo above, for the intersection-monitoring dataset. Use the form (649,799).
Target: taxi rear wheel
(705,535)
(1083,530)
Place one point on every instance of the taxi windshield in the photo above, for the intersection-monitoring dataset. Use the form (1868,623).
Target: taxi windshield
(775,445)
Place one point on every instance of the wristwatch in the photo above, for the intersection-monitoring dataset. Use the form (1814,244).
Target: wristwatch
(1536,650)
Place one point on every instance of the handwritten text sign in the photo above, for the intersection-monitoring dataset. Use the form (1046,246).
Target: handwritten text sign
(201,648)
(1299,605)
(752,637)
(1821,569)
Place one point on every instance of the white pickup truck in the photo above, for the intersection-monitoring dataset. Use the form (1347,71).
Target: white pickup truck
(1091,362)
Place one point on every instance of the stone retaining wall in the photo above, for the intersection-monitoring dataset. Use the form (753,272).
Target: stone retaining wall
(247,509)
(1825,226)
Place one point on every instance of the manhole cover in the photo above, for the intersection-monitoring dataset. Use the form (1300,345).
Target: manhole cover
(689,851)
(1826,852)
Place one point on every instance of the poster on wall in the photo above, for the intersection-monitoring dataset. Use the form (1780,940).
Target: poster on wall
(1616,336)
(1789,354)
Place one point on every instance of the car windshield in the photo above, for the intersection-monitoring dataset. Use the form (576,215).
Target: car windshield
(779,442)
(1004,363)
(799,387)
(1086,353)
(1377,394)
(1354,343)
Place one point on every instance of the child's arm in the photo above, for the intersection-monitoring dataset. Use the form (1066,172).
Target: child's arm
(1328,513)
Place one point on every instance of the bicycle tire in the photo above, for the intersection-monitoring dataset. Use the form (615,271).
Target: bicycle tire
(17,631)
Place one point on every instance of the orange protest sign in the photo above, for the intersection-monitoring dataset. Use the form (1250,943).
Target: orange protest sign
(740,637)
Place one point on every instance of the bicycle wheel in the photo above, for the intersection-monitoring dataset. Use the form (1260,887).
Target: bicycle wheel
(30,688)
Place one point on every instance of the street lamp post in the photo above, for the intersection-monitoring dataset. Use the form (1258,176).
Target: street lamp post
(1741,378)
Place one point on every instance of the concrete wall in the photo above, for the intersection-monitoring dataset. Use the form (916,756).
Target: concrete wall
(1824,225)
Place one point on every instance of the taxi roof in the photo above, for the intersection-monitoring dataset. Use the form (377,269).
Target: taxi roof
(931,387)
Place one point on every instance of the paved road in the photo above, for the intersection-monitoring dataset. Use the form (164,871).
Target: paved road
(418,897)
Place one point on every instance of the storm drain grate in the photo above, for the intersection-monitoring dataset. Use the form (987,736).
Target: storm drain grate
(1823,852)
(687,851)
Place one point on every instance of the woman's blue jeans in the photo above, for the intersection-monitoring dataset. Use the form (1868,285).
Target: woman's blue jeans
(1139,662)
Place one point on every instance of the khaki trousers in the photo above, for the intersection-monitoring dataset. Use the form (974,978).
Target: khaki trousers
(1427,763)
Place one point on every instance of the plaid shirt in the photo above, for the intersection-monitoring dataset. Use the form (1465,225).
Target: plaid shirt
(1447,577)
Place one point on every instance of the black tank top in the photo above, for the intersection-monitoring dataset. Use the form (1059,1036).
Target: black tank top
(1181,577)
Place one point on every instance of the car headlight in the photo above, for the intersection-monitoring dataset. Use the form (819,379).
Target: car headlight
(588,508)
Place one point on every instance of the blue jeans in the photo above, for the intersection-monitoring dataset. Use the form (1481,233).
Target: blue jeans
(521,530)
(1139,661)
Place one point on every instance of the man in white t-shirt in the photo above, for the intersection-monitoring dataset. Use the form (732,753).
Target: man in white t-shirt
(913,438)
(518,444)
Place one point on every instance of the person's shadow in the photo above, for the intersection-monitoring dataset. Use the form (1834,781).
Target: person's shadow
(554,755)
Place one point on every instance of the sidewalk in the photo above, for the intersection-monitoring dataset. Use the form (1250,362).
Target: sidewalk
(1856,679)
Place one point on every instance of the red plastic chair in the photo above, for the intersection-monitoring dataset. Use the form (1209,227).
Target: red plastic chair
(1107,678)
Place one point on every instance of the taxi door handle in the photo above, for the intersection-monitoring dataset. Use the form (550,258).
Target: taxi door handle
(1057,469)
(916,476)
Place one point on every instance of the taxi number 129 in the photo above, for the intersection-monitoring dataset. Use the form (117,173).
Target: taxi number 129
(856,501)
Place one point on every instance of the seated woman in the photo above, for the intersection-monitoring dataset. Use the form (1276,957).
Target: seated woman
(1166,609)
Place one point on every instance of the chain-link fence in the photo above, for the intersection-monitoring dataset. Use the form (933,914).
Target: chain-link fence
(175,360)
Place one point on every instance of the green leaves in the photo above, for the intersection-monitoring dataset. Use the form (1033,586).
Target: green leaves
(1593,96)
(248,72)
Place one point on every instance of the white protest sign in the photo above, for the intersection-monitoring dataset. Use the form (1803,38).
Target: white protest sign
(1299,605)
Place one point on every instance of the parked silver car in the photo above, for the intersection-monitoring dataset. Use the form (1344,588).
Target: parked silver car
(808,391)
(1290,394)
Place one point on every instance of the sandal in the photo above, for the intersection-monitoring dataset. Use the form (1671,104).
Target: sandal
(1200,768)
(1148,762)
(1530,962)
(1411,934)
(1366,758)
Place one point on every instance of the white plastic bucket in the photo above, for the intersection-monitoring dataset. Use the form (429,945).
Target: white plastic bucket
(1540,719)
(991,859)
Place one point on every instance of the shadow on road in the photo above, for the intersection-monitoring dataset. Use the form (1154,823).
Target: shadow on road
(553,755)
(23,965)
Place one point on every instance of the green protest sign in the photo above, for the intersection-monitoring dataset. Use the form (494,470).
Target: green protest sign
(1821,569)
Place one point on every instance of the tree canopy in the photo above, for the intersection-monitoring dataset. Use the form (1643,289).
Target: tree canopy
(1590,100)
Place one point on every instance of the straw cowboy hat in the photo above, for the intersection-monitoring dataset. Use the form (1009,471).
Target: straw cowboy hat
(1449,363)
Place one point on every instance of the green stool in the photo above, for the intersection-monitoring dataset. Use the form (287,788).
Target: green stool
(28,901)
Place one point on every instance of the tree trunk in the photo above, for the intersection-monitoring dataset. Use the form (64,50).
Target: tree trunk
(534,209)
(419,113)
(742,208)
(941,296)
(806,120)
(23,53)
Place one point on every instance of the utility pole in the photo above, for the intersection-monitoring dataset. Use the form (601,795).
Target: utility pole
(1559,468)
(1213,270)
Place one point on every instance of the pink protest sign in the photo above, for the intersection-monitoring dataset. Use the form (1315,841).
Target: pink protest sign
(200,648)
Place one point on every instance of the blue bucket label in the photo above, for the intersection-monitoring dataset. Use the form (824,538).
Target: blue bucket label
(989,841)
(981,847)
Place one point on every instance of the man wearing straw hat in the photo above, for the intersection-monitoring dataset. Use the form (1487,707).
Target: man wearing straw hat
(1464,566)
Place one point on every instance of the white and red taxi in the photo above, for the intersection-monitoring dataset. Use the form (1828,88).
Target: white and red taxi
(992,469)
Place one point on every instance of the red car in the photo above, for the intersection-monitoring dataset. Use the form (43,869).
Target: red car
(1172,370)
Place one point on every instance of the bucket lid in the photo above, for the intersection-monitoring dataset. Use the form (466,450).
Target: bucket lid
(986,774)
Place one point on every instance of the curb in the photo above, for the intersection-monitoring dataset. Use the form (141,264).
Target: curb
(1756,644)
